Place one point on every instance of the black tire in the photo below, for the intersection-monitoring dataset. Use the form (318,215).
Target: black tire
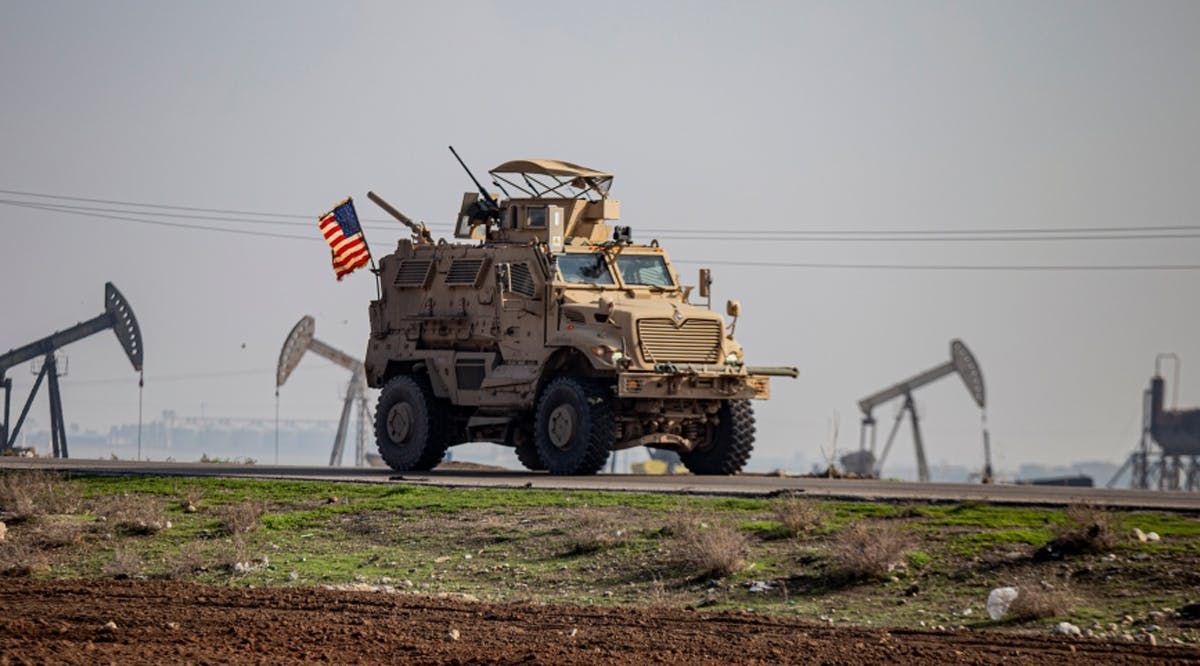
(412,426)
(574,428)
(731,443)
(522,441)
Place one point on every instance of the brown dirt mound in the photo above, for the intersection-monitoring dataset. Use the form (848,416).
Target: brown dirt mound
(154,622)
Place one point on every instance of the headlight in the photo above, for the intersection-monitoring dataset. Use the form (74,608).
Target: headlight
(733,359)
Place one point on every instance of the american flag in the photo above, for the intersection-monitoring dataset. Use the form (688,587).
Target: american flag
(345,237)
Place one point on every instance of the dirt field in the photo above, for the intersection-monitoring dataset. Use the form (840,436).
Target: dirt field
(158,622)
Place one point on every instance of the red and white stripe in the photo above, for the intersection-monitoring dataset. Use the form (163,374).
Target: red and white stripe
(349,254)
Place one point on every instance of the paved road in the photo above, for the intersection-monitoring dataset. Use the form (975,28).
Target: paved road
(743,484)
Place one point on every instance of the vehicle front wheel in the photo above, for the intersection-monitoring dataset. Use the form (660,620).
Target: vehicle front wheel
(412,426)
(574,428)
(729,444)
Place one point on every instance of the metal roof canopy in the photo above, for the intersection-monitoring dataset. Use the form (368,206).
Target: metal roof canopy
(118,315)
(570,181)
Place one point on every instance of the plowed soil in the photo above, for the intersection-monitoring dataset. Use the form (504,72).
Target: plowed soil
(67,622)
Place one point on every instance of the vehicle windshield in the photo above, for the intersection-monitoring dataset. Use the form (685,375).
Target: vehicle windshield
(647,270)
(590,268)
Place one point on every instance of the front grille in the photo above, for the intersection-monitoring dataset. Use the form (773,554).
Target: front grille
(696,341)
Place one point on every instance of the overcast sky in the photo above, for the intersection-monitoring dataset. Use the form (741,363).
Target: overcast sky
(747,116)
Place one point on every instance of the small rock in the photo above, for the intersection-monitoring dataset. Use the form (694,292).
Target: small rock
(109,626)
(1127,637)
(1128,619)
(1150,628)
(190,508)
(1153,537)
(759,586)
(1151,639)
(3,531)
(294,576)
(998,601)
(573,632)
(1067,629)
(1138,535)
(172,626)
(454,634)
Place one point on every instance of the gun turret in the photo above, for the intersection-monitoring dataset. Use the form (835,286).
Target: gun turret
(420,231)
(485,209)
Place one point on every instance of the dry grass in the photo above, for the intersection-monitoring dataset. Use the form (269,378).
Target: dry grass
(1091,526)
(1038,602)
(594,531)
(29,495)
(21,559)
(133,515)
(711,550)
(49,534)
(241,518)
(125,564)
(798,515)
(190,497)
(869,549)
(188,560)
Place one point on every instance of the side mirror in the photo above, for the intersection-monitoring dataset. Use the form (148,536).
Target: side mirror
(733,308)
(705,282)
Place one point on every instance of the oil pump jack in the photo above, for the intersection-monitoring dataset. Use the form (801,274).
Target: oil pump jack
(962,362)
(301,340)
(117,315)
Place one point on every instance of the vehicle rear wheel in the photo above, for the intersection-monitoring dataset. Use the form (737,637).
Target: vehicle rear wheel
(412,426)
(522,440)
(729,446)
(574,428)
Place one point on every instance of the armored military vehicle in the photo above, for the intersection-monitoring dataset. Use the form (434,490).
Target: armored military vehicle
(546,328)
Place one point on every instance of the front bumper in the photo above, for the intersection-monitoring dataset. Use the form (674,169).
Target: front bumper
(691,383)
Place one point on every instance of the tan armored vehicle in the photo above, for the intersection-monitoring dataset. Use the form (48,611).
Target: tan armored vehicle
(547,329)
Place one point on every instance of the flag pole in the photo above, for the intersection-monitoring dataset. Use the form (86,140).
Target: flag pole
(370,255)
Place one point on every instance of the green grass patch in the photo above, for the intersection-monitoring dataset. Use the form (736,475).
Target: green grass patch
(974,543)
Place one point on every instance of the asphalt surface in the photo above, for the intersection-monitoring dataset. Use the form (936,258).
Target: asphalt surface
(750,485)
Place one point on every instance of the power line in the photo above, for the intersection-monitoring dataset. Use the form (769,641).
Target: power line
(713,234)
(823,238)
(758,234)
(952,267)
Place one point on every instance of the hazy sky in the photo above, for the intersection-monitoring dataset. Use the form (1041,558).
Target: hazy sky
(753,116)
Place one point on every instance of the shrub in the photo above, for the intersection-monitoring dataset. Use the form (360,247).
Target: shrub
(594,532)
(125,564)
(133,514)
(798,515)
(712,551)
(22,559)
(55,534)
(1087,529)
(868,550)
(241,518)
(28,495)
(185,561)
(1037,602)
